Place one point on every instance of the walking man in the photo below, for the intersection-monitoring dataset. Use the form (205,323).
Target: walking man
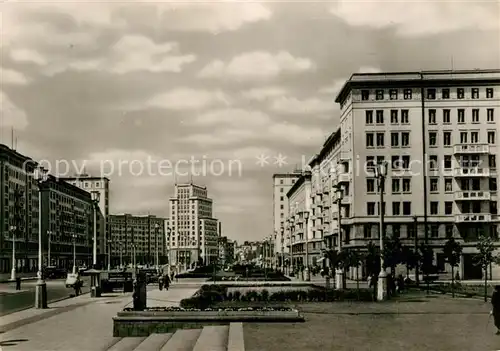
(160,282)
(18,283)
(167,281)
(495,302)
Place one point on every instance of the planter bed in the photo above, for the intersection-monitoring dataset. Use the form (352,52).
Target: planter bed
(144,323)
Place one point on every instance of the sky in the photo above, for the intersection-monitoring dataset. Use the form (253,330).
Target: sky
(223,93)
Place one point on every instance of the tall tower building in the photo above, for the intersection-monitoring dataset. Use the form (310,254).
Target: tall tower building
(193,230)
(282,182)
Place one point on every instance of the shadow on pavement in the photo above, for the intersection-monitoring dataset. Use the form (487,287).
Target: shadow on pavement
(13,342)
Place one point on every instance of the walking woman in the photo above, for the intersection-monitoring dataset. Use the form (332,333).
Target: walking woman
(495,302)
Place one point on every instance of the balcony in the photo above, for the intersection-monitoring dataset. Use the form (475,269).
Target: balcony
(473,218)
(472,195)
(471,172)
(344,178)
(471,149)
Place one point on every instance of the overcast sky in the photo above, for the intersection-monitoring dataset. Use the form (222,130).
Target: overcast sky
(222,83)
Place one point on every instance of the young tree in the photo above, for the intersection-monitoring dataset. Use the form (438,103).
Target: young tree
(485,258)
(351,258)
(373,264)
(392,253)
(409,258)
(426,259)
(452,251)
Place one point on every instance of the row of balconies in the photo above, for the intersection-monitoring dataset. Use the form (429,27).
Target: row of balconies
(471,149)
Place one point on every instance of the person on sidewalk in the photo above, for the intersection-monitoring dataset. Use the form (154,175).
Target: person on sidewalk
(18,283)
(166,282)
(160,282)
(495,302)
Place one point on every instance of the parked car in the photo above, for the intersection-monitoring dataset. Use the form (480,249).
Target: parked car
(53,272)
(71,279)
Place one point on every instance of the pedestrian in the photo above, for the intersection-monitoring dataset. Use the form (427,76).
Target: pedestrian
(18,283)
(160,282)
(401,283)
(172,276)
(166,282)
(495,302)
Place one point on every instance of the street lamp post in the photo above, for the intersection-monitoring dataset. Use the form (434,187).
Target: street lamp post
(95,205)
(415,232)
(121,254)
(339,274)
(74,252)
(49,236)
(157,260)
(282,240)
(41,177)
(13,230)
(307,277)
(381,173)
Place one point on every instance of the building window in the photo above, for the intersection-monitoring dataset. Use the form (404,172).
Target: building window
(492,161)
(405,117)
(461,115)
(448,185)
(365,95)
(447,161)
(396,230)
(431,94)
(446,116)
(370,185)
(380,159)
(433,162)
(367,231)
(449,230)
(380,116)
(393,93)
(432,139)
(475,93)
(369,140)
(406,208)
(383,208)
(379,95)
(394,139)
(281,198)
(406,161)
(434,207)
(434,185)
(474,137)
(407,94)
(394,116)
(396,208)
(446,138)
(448,207)
(405,139)
(370,162)
(434,230)
(281,181)
(489,93)
(369,117)
(491,137)
(489,115)
(380,139)
(445,93)
(406,185)
(282,190)
(492,184)
(370,208)
(475,115)
(396,186)
(432,116)
(395,164)
(463,137)
(493,207)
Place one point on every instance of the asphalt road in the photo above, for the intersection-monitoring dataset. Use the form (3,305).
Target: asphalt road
(12,301)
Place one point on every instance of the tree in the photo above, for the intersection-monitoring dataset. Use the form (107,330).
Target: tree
(392,253)
(351,258)
(409,258)
(373,263)
(452,251)
(485,258)
(426,259)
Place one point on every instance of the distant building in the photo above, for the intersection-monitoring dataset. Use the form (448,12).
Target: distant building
(144,235)
(194,232)
(226,251)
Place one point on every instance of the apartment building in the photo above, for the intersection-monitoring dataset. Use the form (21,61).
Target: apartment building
(194,232)
(67,224)
(226,251)
(438,132)
(282,182)
(19,214)
(142,236)
(101,185)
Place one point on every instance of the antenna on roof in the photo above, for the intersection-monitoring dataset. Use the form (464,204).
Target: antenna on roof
(12,138)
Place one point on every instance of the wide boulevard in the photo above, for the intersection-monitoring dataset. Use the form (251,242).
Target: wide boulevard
(12,300)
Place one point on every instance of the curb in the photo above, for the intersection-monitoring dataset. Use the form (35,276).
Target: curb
(48,303)
(3,281)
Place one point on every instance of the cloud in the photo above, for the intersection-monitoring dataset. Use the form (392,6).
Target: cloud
(234,117)
(11,115)
(299,135)
(292,105)
(28,56)
(337,85)
(264,93)
(257,65)
(188,99)
(9,76)
(412,18)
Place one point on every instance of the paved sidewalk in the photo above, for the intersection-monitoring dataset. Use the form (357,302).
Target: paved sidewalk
(5,277)
(85,324)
